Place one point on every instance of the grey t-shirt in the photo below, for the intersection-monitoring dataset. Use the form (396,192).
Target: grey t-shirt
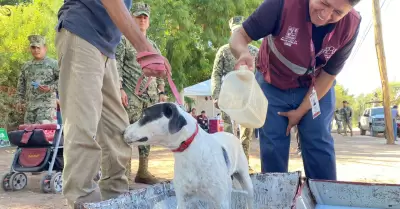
(89,20)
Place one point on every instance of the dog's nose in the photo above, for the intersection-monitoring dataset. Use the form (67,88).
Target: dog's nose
(144,139)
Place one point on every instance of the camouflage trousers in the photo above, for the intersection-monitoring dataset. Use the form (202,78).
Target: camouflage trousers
(228,126)
(339,126)
(246,134)
(134,110)
(346,125)
(42,115)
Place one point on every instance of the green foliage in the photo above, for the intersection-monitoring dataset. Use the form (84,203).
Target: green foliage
(184,30)
(188,32)
(4,109)
(39,17)
(17,23)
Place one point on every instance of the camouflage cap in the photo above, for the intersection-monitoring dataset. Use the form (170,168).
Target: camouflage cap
(140,8)
(236,22)
(36,40)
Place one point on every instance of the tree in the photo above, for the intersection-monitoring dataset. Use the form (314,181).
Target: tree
(40,18)
(394,93)
(189,32)
(342,94)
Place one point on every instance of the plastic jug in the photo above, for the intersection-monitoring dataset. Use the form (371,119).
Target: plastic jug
(242,98)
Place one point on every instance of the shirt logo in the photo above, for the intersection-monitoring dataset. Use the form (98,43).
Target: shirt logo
(290,38)
(329,51)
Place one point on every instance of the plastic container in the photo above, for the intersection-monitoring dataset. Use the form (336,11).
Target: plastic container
(215,125)
(242,98)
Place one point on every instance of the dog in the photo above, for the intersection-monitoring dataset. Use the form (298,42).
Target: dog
(205,164)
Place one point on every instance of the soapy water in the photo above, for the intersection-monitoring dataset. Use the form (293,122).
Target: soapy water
(281,192)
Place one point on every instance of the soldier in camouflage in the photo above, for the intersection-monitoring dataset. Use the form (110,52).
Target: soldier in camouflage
(223,64)
(38,84)
(130,71)
(346,115)
(338,119)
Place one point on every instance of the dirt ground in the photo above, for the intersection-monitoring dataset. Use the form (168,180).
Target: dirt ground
(359,158)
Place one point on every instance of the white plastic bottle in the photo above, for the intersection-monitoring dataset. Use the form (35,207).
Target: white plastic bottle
(242,98)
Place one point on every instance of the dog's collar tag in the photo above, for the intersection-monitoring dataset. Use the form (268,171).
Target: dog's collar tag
(185,144)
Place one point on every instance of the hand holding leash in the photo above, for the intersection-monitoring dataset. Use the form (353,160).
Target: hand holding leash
(155,65)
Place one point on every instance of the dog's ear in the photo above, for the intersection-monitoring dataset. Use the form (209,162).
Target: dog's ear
(168,110)
(176,120)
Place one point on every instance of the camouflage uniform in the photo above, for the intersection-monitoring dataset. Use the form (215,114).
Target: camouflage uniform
(223,64)
(338,119)
(40,106)
(347,113)
(130,71)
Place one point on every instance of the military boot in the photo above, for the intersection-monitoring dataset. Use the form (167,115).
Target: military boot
(143,175)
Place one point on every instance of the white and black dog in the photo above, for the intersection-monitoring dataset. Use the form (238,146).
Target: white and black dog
(205,164)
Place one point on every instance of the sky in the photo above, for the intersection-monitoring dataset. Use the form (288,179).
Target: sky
(361,72)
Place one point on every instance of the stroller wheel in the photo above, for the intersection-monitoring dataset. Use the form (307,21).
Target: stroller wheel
(6,182)
(45,184)
(56,183)
(18,181)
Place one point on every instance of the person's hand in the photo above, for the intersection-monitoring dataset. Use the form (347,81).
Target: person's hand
(294,117)
(153,64)
(44,88)
(162,98)
(124,98)
(246,59)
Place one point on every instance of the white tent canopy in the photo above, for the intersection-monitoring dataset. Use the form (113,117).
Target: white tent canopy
(200,89)
(199,92)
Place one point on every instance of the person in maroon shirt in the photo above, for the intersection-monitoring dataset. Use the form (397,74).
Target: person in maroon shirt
(202,120)
(306,44)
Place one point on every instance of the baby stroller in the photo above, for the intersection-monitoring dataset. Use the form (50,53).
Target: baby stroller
(39,148)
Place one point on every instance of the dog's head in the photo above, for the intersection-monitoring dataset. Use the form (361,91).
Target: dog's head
(164,124)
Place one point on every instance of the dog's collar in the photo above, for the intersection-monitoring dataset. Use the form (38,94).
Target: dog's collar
(185,144)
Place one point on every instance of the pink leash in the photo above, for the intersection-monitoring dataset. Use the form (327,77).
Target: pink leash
(155,62)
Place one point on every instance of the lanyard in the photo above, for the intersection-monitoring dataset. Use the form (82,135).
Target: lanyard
(314,56)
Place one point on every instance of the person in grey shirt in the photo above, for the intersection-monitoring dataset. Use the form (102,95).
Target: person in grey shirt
(94,118)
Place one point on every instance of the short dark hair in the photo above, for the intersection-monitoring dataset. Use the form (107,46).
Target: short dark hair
(203,111)
(354,2)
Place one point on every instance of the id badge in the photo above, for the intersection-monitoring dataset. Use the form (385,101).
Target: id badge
(316,111)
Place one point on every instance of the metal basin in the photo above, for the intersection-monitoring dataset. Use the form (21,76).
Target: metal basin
(272,191)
